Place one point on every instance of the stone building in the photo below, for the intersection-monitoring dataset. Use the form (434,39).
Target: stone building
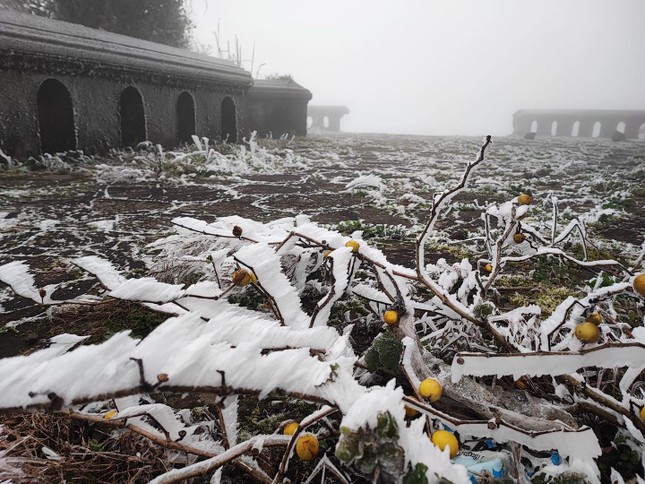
(584,123)
(325,118)
(66,86)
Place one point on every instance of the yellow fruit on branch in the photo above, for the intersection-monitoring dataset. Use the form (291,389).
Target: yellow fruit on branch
(587,332)
(639,284)
(443,439)
(353,244)
(391,316)
(594,318)
(488,267)
(290,428)
(431,389)
(524,199)
(242,277)
(519,237)
(642,414)
(521,383)
(110,414)
(307,447)
(410,411)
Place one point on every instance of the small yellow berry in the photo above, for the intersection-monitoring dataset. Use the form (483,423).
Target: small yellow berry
(353,244)
(488,267)
(431,389)
(587,332)
(410,411)
(290,428)
(594,318)
(639,284)
(242,277)
(524,199)
(519,237)
(391,316)
(307,447)
(443,439)
(642,414)
(110,414)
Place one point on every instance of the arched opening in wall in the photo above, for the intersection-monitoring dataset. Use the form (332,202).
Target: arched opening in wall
(326,122)
(185,117)
(620,127)
(554,128)
(55,117)
(534,126)
(310,122)
(133,117)
(229,121)
(596,129)
(575,130)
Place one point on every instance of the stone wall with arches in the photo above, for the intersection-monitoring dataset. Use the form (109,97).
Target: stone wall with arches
(66,86)
(325,118)
(615,124)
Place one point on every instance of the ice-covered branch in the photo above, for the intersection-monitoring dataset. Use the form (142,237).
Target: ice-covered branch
(553,363)
(205,466)
(439,200)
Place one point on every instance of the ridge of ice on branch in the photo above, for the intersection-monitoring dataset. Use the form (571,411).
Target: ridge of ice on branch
(546,363)
(265,263)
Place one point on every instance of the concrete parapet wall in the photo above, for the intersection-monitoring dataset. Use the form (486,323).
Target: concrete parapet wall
(88,72)
(579,123)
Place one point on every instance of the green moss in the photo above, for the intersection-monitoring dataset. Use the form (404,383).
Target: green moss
(367,449)
(370,231)
(355,306)
(265,416)
(416,475)
(384,354)
(483,310)
(566,478)
(136,318)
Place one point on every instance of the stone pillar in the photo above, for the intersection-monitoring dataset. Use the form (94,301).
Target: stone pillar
(334,123)
(607,128)
(586,128)
(565,126)
(521,125)
(631,129)
(544,126)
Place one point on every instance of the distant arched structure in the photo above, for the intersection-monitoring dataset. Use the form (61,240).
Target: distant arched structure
(133,117)
(185,117)
(580,123)
(67,86)
(229,120)
(326,118)
(55,117)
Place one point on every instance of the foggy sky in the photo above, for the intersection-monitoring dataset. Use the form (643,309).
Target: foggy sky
(442,66)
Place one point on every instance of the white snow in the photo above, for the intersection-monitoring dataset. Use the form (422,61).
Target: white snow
(547,363)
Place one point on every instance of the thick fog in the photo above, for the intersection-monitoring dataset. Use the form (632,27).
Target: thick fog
(441,66)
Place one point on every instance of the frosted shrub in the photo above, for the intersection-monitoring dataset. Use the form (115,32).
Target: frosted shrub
(293,313)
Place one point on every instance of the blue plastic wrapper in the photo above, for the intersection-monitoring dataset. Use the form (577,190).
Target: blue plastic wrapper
(483,464)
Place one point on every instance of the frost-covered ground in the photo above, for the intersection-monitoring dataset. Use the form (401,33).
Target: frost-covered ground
(80,222)
(379,184)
